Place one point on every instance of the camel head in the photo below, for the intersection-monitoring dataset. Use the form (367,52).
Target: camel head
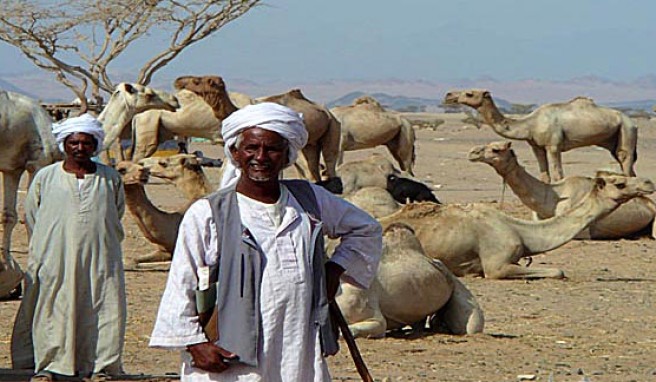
(172,167)
(621,188)
(132,173)
(494,153)
(400,235)
(200,84)
(472,97)
(130,99)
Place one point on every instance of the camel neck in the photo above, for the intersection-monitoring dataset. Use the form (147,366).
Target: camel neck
(502,125)
(194,186)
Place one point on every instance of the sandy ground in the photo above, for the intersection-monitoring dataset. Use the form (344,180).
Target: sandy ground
(598,325)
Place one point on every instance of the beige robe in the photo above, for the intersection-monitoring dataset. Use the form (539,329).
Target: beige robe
(72,317)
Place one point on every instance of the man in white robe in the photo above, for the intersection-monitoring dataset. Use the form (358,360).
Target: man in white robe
(72,318)
(260,141)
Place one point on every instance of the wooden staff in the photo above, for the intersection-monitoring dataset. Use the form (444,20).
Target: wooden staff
(350,342)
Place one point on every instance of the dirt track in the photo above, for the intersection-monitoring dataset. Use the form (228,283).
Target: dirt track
(599,323)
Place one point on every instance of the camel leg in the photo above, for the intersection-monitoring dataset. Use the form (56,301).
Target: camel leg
(541,156)
(626,152)
(461,314)
(515,271)
(402,148)
(556,163)
(330,147)
(10,273)
(361,309)
(311,154)
(158,255)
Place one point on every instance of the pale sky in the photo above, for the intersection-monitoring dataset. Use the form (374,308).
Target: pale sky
(319,40)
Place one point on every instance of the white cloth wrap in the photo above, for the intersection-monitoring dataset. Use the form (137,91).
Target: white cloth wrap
(269,116)
(85,123)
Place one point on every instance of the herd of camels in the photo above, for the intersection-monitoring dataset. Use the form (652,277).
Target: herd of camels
(427,245)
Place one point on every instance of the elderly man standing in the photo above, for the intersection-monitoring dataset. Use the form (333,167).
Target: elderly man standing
(262,239)
(72,318)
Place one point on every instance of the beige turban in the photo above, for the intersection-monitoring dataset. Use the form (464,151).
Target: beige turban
(267,116)
(85,123)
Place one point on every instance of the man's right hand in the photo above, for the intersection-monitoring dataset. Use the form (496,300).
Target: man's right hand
(209,357)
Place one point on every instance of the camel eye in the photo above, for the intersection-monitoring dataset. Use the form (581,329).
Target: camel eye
(496,151)
(621,186)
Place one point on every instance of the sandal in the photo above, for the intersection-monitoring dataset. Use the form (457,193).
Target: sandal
(43,376)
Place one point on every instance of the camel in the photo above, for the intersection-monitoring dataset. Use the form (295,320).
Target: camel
(126,101)
(159,227)
(408,288)
(323,135)
(555,128)
(183,170)
(240,100)
(376,201)
(200,115)
(481,240)
(547,200)
(27,145)
(367,124)
(372,171)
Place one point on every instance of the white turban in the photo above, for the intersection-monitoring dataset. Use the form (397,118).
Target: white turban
(267,116)
(85,123)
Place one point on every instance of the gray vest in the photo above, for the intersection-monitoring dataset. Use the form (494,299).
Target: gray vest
(240,275)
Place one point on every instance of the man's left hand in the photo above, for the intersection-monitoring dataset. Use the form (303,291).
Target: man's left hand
(333,273)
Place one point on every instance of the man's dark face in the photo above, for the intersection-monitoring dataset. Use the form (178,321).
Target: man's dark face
(261,154)
(80,146)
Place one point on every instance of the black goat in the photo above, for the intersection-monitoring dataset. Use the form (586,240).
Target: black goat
(407,190)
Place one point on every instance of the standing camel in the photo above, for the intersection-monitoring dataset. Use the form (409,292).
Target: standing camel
(366,124)
(554,128)
(27,144)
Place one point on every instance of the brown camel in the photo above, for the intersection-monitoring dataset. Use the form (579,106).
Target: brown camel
(366,124)
(159,227)
(481,240)
(409,287)
(183,170)
(628,220)
(555,128)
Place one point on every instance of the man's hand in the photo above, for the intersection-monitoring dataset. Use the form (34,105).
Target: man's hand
(333,273)
(209,357)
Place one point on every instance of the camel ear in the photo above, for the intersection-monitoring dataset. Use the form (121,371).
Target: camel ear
(508,145)
(486,94)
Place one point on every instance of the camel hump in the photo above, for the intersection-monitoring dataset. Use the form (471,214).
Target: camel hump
(582,100)
(296,93)
(367,100)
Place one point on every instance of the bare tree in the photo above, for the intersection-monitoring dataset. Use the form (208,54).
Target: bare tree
(78,40)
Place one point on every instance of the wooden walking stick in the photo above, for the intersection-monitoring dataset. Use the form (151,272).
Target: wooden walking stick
(350,342)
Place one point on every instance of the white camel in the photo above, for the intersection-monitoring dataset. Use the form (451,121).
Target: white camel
(481,240)
(628,220)
(27,145)
(554,128)
(126,101)
(366,124)
(409,287)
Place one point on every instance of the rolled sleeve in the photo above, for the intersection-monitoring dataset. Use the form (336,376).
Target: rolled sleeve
(360,247)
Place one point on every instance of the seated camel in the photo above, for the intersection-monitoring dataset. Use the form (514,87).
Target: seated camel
(481,240)
(184,171)
(372,171)
(408,288)
(125,102)
(631,219)
(376,201)
(366,124)
(554,128)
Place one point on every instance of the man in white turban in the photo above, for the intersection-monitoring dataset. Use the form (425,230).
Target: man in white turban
(72,318)
(268,116)
(85,123)
(258,245)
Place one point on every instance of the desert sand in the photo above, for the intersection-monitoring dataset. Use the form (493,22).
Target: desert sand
(597,325)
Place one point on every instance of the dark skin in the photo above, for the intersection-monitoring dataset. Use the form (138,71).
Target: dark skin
(261,156)
(79,149)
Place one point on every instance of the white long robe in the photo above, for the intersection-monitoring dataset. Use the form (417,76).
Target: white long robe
(289,348)
(72,317)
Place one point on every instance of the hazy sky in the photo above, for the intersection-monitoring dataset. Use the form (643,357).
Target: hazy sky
(308,40)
